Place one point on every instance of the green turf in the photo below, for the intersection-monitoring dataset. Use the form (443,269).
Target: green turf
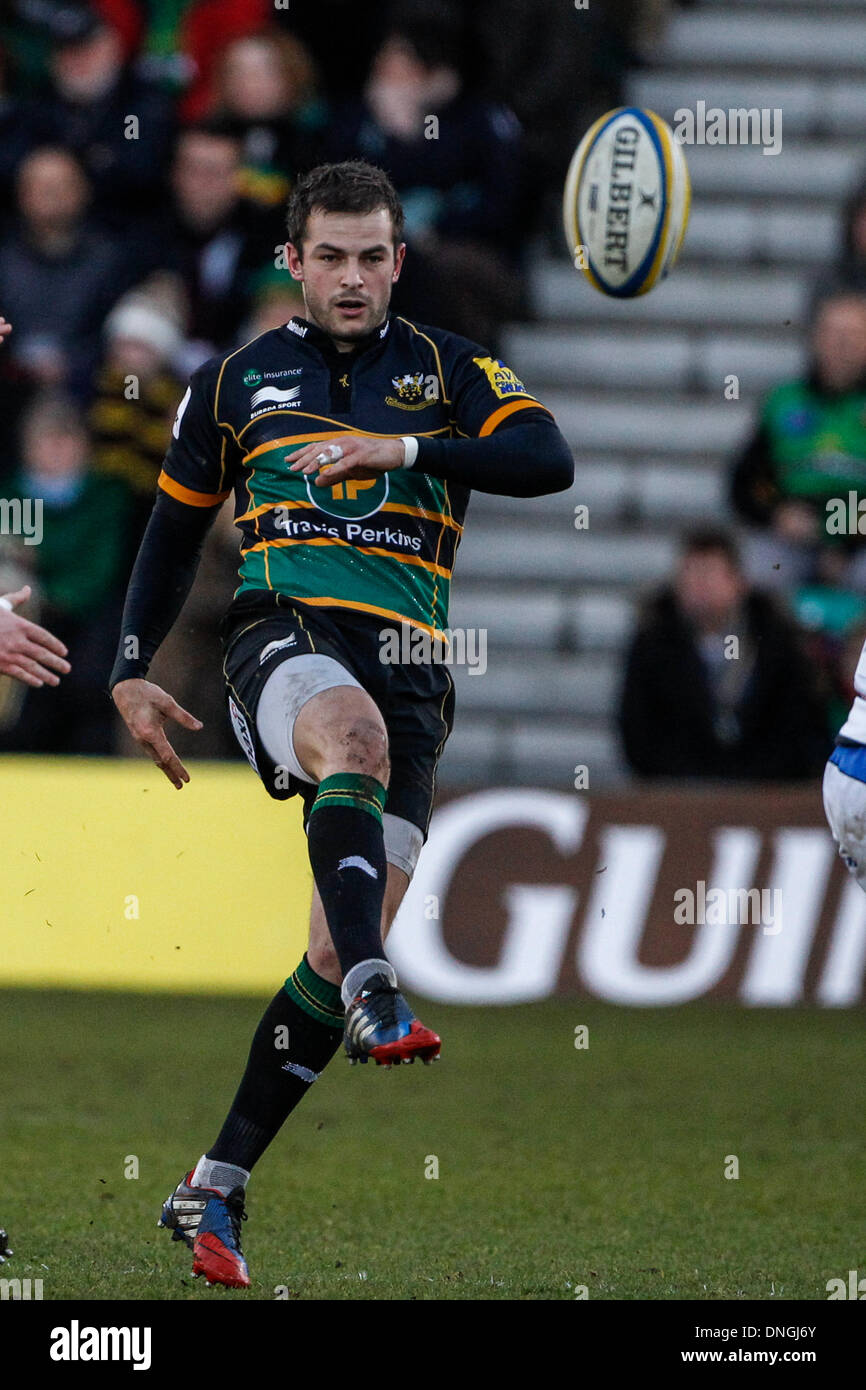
(557,1167)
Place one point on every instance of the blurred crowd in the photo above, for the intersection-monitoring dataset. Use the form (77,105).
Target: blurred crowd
(791,587)
(147,149)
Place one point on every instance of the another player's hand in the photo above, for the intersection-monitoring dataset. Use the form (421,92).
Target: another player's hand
(144,709)
(27,651)
(362,458)
(5,328)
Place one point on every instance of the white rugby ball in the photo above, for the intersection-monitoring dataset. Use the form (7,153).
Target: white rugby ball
(626,202)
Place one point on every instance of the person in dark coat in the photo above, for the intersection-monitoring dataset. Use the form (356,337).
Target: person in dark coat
(717,682)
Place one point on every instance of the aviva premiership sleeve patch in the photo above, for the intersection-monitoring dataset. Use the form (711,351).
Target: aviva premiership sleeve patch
(502,380)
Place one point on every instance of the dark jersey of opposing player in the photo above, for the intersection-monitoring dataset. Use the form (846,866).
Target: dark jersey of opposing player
(383,546)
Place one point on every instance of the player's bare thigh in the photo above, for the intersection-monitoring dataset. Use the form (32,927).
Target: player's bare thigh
(321,953)
(341,730)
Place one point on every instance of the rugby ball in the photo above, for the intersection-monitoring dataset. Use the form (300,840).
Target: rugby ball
(626,202)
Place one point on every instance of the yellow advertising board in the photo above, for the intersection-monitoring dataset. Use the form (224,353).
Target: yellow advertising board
(110,878)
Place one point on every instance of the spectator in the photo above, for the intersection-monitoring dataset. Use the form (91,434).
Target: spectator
(851,268)
(117,124)
(78,568)
(22,126)
(59,276)
(455,161)
(809,448)
(137,392)
(344,65)
(717,684)
(265,91)
(275,303)
(214,239)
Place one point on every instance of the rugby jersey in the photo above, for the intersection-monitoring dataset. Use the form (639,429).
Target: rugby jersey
(384,546)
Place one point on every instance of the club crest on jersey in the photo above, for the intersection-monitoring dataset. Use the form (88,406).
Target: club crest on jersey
(414,391)
(502,379)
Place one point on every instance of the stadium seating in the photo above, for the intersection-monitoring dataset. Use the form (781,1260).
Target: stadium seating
(638,387)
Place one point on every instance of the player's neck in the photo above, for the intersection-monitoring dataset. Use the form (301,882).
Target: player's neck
(343,345)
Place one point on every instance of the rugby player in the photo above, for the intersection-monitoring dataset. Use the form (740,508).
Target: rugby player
(351,438)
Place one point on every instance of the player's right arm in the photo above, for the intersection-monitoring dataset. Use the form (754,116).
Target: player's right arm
(194,483)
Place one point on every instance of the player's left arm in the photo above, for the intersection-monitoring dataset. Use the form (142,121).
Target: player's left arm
(512,445)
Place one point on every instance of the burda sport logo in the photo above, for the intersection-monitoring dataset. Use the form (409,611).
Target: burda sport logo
(272,395)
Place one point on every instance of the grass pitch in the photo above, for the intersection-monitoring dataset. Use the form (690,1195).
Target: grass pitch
(557,1167)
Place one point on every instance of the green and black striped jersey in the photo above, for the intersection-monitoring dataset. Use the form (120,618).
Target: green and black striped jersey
(383,546)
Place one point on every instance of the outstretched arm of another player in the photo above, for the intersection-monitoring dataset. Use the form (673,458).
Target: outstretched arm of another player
(27,651)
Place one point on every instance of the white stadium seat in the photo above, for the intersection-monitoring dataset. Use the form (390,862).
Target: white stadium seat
(743,297)
(638,386)
(799,41)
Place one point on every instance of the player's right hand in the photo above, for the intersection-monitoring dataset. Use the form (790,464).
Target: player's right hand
(144,709)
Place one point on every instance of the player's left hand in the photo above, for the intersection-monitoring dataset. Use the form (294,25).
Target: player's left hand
(362,458)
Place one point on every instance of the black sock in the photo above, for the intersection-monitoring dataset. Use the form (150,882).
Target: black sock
(298,1035)
(347,855)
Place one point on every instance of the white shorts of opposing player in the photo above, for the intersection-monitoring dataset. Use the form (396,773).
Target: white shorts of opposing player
(845,794)
(845,809)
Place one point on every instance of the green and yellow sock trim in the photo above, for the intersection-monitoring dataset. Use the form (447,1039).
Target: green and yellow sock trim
(351,789)
(317,997)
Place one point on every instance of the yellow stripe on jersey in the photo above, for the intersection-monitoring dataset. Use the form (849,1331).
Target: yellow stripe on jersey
(439,518)
(505,410)
(187,495)
(371,608)
(338,540)
(328,434)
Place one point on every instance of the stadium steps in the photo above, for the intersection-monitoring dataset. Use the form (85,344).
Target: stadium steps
(501,752)
(545,621)
(826,42)
(617,493)
(638,387)
(684,359)
(809,107)
(649,422)
(744,298)
(492,554)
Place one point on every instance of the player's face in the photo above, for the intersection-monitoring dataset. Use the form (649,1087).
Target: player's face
(348,270)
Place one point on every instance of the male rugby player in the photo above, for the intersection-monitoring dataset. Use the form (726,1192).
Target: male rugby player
(351,438)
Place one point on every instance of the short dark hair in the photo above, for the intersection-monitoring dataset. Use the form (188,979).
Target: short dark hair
(353,186)
(710,539)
